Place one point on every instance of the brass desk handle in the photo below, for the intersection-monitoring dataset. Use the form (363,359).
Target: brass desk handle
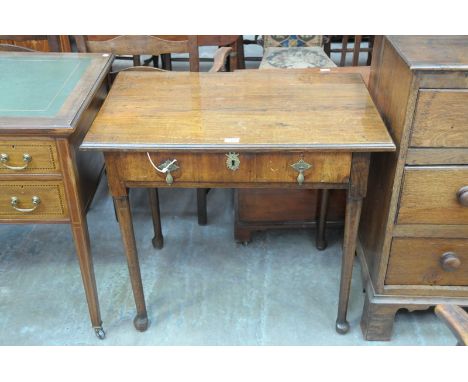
(462,196)
(165,168)
(4,158)
(36,200)
(300,167)
(449,261)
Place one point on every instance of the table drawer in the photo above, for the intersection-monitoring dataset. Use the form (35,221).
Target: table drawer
(441,119)
(428,261)
(434,195)
(43,200)
(17,156)
(259,167)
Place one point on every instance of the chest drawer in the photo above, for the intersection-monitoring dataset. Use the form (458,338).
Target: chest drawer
(428,261)
(441,119)
(17,156)
(434,195)
(241,168)
(32,200)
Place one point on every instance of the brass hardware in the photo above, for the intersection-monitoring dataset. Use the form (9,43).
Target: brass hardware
(36,200)
(449,261)
(232,161)
(4,158)
(301,166)
(462,196)
(166,168)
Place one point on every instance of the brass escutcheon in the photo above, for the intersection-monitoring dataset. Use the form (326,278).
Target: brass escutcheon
(232,161)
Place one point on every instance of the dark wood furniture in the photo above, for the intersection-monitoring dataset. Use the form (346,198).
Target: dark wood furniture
(457,321)
(353,52)
(43,118)
(414,230)
(43,43)
(238,130)
(267,209)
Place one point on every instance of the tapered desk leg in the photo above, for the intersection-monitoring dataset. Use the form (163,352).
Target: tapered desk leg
(126,229)
(83,251)
(321,241)
(356,192)
(158,239)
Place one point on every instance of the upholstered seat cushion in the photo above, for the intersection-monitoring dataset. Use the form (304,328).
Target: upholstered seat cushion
(295,58)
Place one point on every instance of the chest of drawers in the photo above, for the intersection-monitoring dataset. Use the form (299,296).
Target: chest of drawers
(414,231)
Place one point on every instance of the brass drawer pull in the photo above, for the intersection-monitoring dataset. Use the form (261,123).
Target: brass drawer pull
(165,168)
(301,166)
(4,158)
(36,200)
(449,261)
(462,196)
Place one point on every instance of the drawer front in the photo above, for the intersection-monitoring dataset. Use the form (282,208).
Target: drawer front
(51,205)
(441,119)
(18,156)
(434,195)
(258,168)
(428,261)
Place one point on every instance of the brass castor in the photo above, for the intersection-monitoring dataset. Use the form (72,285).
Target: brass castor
(100,333)
(342,327)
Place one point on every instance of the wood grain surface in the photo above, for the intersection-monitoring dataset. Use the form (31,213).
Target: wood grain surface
(441,119)
(241,110)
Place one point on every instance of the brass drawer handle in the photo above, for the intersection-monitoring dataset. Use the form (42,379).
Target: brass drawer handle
(36,200)
(165,168)
(449,261)
(300,167)
(4,158)
(462,196)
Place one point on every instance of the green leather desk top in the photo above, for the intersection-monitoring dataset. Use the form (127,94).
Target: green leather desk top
(47,90)
(38,86)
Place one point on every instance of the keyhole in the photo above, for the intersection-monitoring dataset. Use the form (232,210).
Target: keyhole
(233,162)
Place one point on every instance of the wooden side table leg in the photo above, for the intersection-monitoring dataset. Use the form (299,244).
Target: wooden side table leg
(158,239)
(126,229)
(321,241)
(356,193)
(201,206)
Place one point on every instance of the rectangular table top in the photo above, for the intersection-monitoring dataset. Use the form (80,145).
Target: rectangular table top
(46,90)
(244,110)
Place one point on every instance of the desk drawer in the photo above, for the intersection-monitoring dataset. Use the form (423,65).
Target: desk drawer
(259,168)
(434,195)
(17,156)
(428,261)
(51,204)
(441,119)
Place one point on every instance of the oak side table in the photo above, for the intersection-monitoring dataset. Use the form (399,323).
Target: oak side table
(247,129)
(47,103)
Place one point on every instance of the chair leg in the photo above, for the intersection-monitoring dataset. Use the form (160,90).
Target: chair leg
(321,241)
(201,206)
(158,239)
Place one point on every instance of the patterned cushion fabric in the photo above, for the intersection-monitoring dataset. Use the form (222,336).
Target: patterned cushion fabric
(291,40)
(295,58)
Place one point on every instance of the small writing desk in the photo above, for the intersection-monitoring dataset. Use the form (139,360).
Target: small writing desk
(239,130)
(47,103)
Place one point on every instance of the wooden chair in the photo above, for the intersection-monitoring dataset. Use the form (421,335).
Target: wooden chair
(355,50)
(45,43)
(137,46)
(456,319)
